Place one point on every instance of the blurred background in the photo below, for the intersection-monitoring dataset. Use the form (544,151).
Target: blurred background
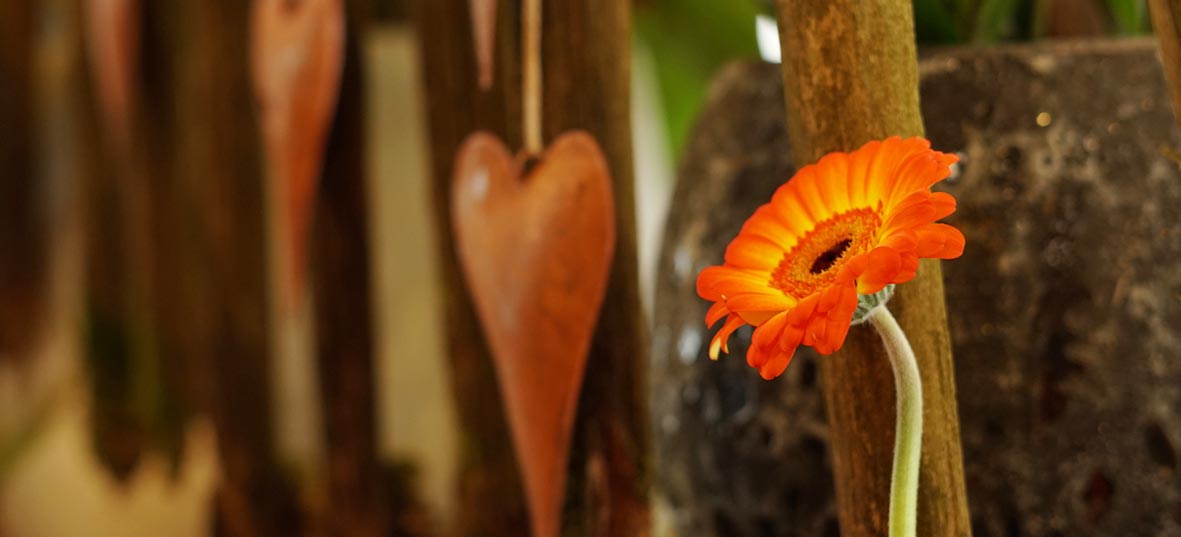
(145,359)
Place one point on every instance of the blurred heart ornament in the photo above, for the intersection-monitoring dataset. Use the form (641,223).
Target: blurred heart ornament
(297,59)
(483,15)
(536,244)
(113,43)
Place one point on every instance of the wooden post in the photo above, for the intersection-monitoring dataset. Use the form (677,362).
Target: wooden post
(489,490)
(1166,22)
(586,46)
(340,270)
(586,50)
(22,201)
(850,76)
(202,144)
(133,407)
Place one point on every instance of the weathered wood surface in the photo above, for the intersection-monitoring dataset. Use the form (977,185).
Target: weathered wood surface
(851,76)
(1061,310)
(586,80)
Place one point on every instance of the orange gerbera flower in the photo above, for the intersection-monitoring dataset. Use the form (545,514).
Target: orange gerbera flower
(850,224)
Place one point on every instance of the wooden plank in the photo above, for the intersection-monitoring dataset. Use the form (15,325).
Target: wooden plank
(850,76)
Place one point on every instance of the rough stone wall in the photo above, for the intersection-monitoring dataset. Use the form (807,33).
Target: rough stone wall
(1065,310)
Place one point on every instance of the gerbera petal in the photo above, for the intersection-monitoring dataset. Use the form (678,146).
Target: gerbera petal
(832,171)
(860,162)
(829,324)
(752,303)
(790,338)
(715,313)
(776,363)
(766,225)
(708,278)
(787,207)
(750,251)
(721,339)
(815,333)
(939,241)
(765,340)
(944,204)
(832,297)
(902,241)
(809,194)
(911,216)
(766,352)
(838,329)
(767,334)
(882,175)
(800,314)
(909,268)
(738,285)
(918,171)
(882,267)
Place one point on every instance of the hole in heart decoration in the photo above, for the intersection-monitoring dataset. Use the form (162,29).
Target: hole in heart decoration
(297,55)
(535,236)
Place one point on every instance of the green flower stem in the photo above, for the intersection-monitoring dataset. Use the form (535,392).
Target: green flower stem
(908,431)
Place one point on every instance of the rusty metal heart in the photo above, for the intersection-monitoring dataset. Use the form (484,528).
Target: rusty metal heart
(113,39)
(297,58)
(536,248)
(483,15)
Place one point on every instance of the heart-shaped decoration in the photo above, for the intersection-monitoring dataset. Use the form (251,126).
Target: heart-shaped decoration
(536,246)
(297,57)
(113,38)
(483,15)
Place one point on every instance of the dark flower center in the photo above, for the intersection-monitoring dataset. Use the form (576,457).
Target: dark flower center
(825,260)
(815,261)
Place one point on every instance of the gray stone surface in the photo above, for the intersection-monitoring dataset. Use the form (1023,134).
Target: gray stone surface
(1065,309)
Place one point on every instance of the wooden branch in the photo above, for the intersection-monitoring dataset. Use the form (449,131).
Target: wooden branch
(850,76)
(1166,22)
(586,47)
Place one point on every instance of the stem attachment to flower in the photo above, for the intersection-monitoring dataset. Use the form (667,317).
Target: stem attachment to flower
(908,431)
